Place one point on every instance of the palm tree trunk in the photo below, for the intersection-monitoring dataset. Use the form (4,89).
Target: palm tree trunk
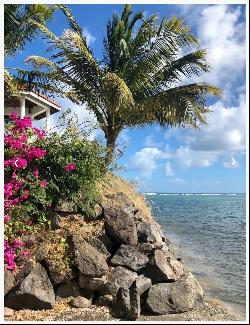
(111,140)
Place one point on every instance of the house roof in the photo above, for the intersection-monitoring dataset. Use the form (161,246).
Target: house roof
(48,99)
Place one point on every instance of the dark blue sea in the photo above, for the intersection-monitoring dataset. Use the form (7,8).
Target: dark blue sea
(208,231)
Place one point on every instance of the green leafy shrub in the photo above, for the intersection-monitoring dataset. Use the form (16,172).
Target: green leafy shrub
(73,165)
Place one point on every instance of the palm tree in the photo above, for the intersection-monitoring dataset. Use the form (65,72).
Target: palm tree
(142,78)
(19,28)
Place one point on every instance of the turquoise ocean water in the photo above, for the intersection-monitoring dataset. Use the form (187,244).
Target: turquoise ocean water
(208,231)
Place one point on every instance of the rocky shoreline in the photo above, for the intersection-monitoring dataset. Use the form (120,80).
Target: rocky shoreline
(125,269)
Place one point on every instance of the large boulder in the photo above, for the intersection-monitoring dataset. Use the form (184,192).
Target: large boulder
(120,277)
(127,302)
(148,233)
(120,226)
(124,202)
(8,281)
(88,259)
(99,245)
(175,297)
(121,303)
(35,292)
(106,240)
(163,268)
(92,283)
(128,256)
(142,284)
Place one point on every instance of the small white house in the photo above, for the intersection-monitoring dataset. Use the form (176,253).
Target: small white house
(32,104)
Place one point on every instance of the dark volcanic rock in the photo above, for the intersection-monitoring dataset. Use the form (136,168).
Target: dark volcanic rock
(162,268)
(88,260)
(127,302)
(148,233)
(124,201)
(120,226)
(128,256)
(148,248)
(121,303)
(92,283)
(99,245)
(142,284)
(108,243)
(120,277)
(104,300)
(8,281)
(135,302)
(35,292)
(175,297)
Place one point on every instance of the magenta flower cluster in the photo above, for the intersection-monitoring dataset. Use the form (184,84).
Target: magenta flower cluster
(20,166)
(70,167)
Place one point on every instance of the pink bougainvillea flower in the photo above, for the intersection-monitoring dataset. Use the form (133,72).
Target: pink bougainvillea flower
(35,153)
(19,163)
(8,187)
(23,123)
(44,183)
(17,243)
(18,185)
(36,173)
(7,218)
(15,143)
(8,163)
(70,167)
(39,133)
(13,116)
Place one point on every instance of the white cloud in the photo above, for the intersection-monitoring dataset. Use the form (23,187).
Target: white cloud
(231,164)
(226,129)
(187,157)
(145,160)
(224,135)
(169,171)
(220,29)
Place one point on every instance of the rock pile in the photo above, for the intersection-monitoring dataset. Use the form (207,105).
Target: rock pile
(130,268)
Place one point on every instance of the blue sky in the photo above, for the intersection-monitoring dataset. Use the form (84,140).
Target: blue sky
(211,159)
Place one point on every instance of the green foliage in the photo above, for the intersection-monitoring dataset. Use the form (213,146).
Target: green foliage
(19,27)
(79,185)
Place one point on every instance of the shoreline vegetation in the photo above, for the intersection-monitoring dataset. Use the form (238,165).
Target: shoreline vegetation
(118,194)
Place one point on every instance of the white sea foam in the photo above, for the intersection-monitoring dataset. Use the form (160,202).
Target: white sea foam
(210,194)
